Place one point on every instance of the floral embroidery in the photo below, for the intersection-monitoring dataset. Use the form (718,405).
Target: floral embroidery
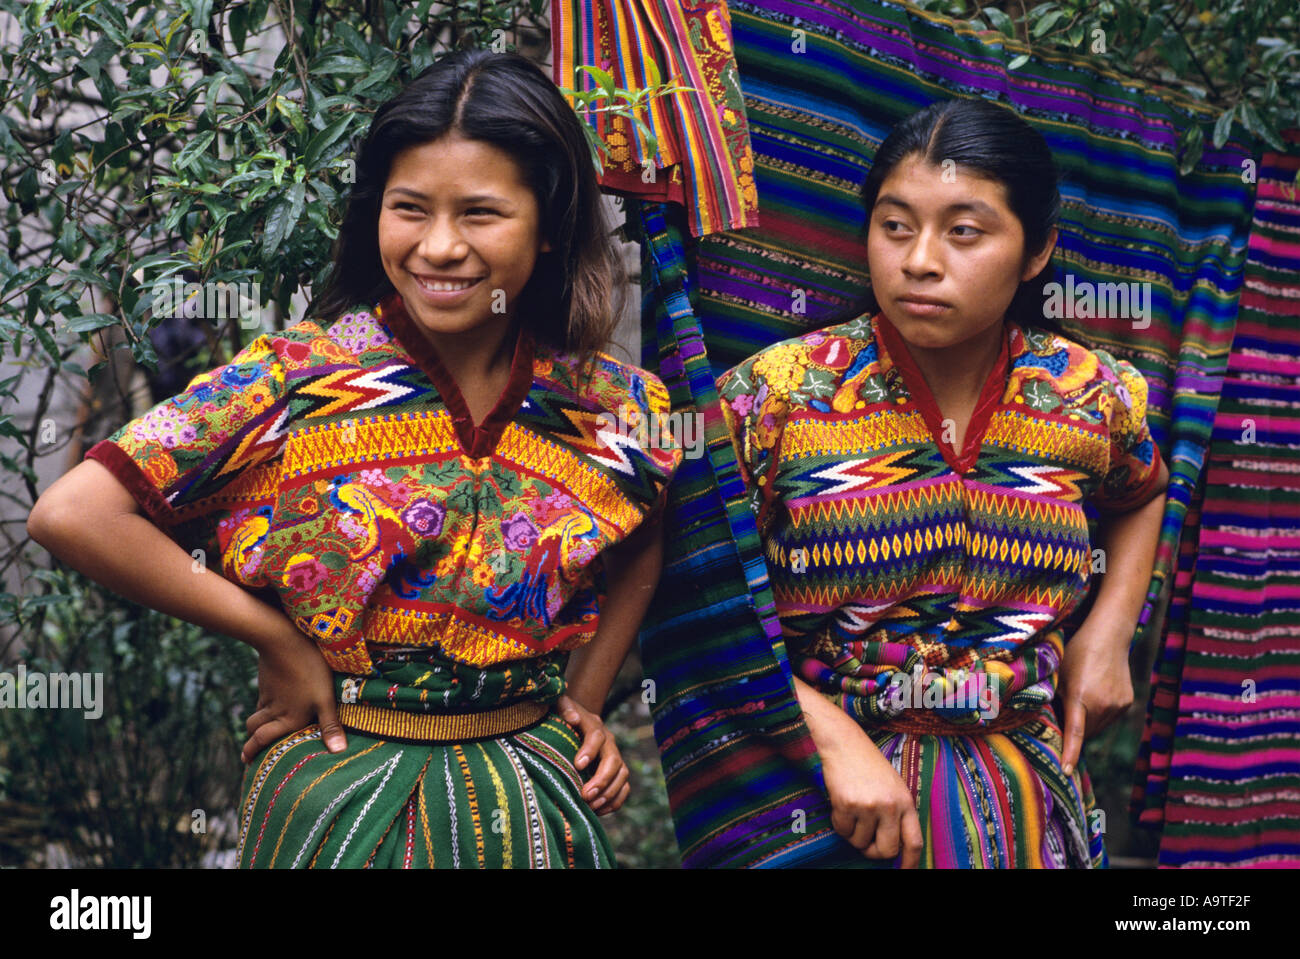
(425,517)
(322,463)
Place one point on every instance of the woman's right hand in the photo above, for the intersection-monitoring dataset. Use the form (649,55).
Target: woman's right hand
(871,806)
(295,687)
(124,551)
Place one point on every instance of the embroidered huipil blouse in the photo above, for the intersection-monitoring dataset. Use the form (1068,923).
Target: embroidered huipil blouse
(890,552)
(339,469)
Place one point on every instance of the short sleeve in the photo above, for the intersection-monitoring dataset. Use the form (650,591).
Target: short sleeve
(642,441)
(1133,468)
(207,452)
(664,444)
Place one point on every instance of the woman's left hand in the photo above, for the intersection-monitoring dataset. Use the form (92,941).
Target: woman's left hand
(1095,686)
(608,788)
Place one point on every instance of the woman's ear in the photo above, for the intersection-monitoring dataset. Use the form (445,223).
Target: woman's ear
(1035,264)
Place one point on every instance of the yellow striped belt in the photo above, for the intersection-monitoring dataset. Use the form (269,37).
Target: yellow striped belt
(440,727)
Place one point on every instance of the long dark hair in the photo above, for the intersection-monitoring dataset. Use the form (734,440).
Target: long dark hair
(576,293)
(994,142)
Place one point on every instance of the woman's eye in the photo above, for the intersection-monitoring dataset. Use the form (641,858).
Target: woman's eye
(973,231)
(892,223)
(481,209)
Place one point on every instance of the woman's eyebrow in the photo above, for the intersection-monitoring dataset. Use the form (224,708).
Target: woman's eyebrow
(968,206)
(474,198)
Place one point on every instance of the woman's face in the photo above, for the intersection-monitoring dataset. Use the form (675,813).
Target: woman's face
(456,210)
(948,237)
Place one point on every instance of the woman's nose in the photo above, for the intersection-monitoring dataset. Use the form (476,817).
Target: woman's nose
(922,256)
(442,241)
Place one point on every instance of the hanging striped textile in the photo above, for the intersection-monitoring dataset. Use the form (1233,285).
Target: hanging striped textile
(824,82)
(1220,759)
(703,159)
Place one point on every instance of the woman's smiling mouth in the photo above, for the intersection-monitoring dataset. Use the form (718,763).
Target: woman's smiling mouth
(444,290)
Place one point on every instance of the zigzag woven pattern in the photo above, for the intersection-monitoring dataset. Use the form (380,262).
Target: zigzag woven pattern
(337,466)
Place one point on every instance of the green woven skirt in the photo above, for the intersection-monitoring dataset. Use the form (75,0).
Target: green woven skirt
(508,802)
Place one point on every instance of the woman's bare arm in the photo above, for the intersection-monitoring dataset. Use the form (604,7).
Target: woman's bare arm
(632,572)
(871,806)
(92,523)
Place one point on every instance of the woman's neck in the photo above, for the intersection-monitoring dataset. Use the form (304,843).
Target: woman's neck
(957,374)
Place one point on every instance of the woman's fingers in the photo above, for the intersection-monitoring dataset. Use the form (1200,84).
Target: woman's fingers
(885,844)
(264,735)
(842,822)
(616,784)
(1076,716)
(864,828)
(593,741)
(913,840)
(257,719)
(331,731)
(610,761)
(618,800)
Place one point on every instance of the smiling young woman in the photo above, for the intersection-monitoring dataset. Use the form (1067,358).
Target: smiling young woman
(919,476)
(410,510)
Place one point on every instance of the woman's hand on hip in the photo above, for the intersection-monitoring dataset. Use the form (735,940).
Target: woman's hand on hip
(295,687)
(608,788)
(1095,686)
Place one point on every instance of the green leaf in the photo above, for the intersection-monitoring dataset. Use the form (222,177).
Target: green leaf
(85,276)
(1018,62)
(239,15)
(90,322)
(47,342)
(1174,51)
(1193,146)
(277,227)
(1154,27)
(352,39)
(1001,21)
(604,79)
(69,239)
(297,196)
(192,150)
(289,110)
(1046,24)
(215,83)
(1223,127)
(339,66)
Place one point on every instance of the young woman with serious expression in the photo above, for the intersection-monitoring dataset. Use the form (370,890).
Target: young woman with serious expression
(457,210)
(946,255)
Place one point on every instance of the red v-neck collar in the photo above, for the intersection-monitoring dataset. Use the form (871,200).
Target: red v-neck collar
(476,441)
(989,400)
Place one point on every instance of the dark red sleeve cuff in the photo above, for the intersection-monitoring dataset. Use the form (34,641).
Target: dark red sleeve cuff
(127,472)
(1142,495)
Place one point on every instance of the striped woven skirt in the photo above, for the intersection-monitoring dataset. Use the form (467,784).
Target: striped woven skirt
(512,801)
(993,800)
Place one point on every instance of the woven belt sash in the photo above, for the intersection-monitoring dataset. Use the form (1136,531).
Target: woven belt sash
(924,722)
(440,727)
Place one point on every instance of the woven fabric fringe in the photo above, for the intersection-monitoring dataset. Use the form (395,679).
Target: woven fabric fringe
(703,159)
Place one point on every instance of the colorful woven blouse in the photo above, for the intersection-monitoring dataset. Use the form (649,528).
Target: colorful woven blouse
(340,470)
(889,552)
